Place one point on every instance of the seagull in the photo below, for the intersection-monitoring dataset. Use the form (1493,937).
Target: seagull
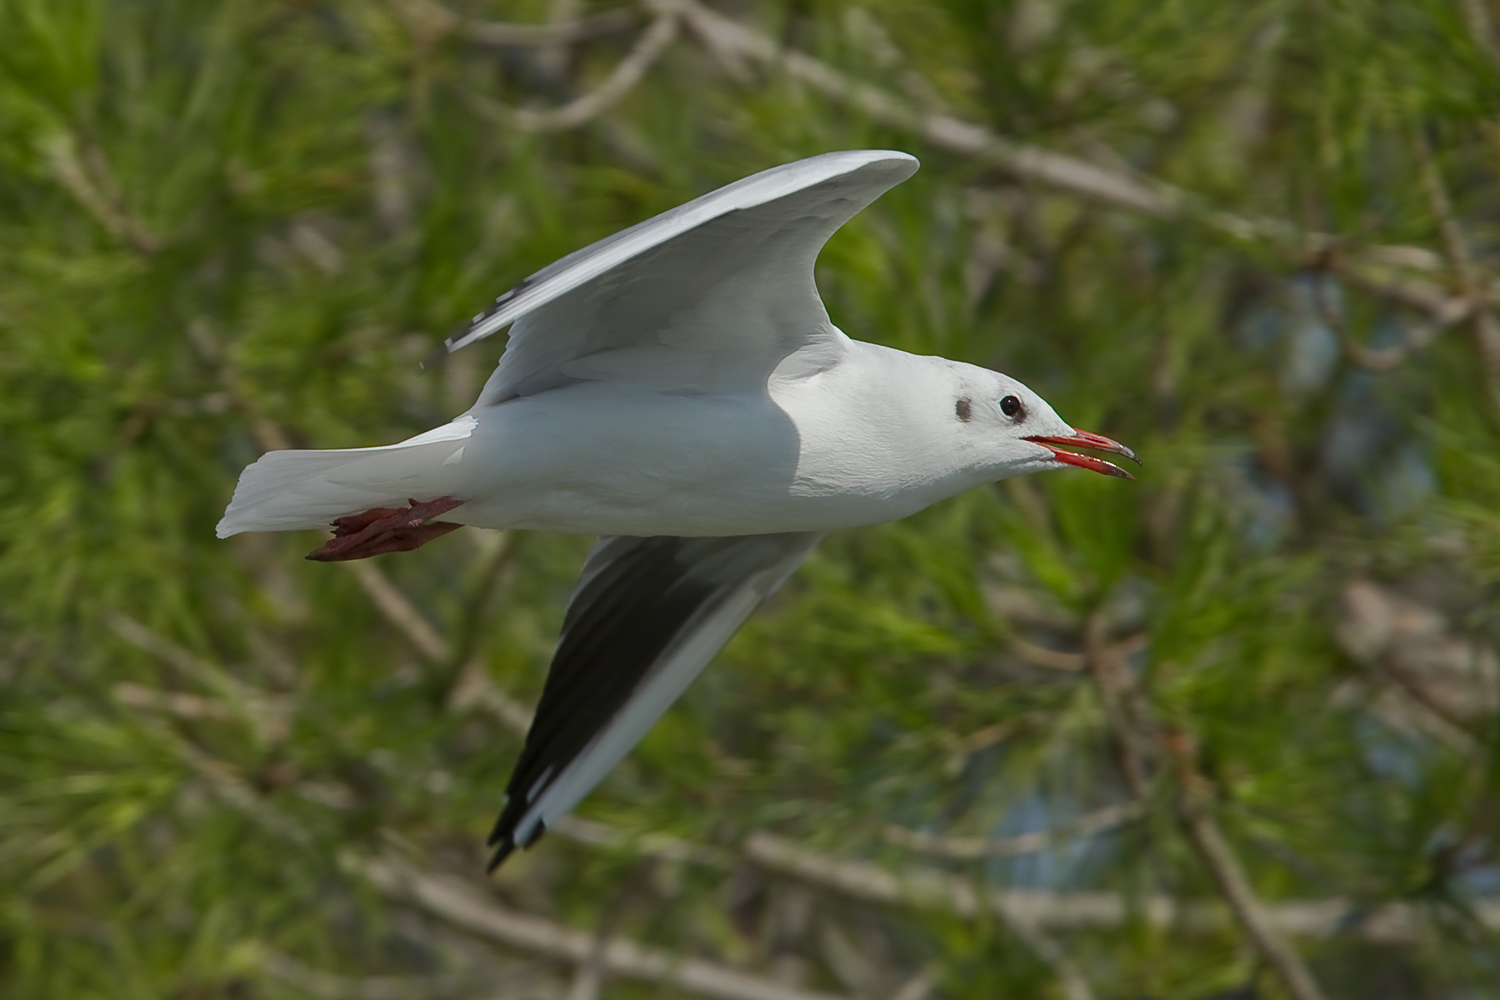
(678,390)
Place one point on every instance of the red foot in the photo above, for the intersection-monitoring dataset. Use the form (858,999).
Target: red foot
(386,529)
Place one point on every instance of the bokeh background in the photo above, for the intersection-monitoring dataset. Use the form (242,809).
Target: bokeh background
(1229,731)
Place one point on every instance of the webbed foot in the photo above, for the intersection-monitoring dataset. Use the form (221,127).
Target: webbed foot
(386,529)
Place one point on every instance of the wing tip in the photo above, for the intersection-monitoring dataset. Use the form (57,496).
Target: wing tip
(502,852)
(868,157)
(504,842)
(443,350)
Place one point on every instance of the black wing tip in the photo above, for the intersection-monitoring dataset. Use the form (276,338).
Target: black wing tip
(505,844)
(449,346)
(444,349)
(501,853)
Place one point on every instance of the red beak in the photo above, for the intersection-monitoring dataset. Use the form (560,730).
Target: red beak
(1095,442)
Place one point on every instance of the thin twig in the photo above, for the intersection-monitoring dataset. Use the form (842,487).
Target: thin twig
(1485,325)
(664,847)
(178,703)
(650,46)
(1204,833)
(734,44)
(331,986)
(973,848)
(475,689)
(1137,735)
(1482,28)
(1440,720)
(229,785)
(1111,681)
(925,889)
(1377,359)
(268,717)
(400,612)
(724,35)
(928,889)
(1041,656)
(1056,659)
(1432,300)
(462,906)
(489,582)
(918,987)
(912,886)
(61,151)
(470,686)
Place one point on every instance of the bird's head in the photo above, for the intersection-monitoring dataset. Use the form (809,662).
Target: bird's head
(1018,432)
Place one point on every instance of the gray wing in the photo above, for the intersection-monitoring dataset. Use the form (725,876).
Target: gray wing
(646,617)
(709,295)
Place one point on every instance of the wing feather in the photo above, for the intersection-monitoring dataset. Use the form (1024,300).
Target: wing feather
(647,616)
(719,288)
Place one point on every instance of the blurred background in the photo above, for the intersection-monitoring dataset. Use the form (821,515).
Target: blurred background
(1227,732)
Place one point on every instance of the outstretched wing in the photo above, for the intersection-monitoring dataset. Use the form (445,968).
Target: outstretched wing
(709,295)
(647,616)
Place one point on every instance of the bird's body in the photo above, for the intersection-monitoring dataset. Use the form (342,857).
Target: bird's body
(679,390)
(833,449)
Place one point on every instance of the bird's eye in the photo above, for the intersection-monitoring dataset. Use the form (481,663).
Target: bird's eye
(1010,406)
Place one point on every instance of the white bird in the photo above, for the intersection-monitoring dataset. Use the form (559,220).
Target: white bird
(679,390)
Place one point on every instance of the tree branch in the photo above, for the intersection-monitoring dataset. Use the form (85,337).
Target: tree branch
(229,785)
(1137,734)
(1041,656)
(734,43)
(61,152)
(489,582)
(661,33)
(400,612)
(726,36)
(268,717)
(1486,327)
(912,886)
(330,986)
(930,889)
(1482,27)
(1204,833)
(460,905)
(927,890)
(974,848)
(1112,683)
(1374,359)
(178,703)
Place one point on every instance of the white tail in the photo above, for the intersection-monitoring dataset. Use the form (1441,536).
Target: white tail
(290,490)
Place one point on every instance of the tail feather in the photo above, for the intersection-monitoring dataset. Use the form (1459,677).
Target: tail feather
(291,490)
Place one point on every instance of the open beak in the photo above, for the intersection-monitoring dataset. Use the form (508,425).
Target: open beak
(1092,441)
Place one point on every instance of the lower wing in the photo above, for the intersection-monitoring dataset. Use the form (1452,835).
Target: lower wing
(647,616)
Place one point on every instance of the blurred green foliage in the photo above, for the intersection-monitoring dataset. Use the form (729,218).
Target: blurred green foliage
(236,225)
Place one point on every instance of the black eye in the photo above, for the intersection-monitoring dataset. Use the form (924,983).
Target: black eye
(1010,406)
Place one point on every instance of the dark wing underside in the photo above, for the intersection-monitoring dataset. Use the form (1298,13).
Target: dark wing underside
(647,616)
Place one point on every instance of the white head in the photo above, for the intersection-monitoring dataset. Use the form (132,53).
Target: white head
(1012,431)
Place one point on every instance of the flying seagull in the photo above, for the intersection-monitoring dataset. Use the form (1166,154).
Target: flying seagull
(678,390)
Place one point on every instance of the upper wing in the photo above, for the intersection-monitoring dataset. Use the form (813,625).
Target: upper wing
(647,616)
(709,294)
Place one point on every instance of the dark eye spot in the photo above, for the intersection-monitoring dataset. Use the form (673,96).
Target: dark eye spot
(963,409)
(1010,406)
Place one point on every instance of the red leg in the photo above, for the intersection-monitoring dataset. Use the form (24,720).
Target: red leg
(386,529)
